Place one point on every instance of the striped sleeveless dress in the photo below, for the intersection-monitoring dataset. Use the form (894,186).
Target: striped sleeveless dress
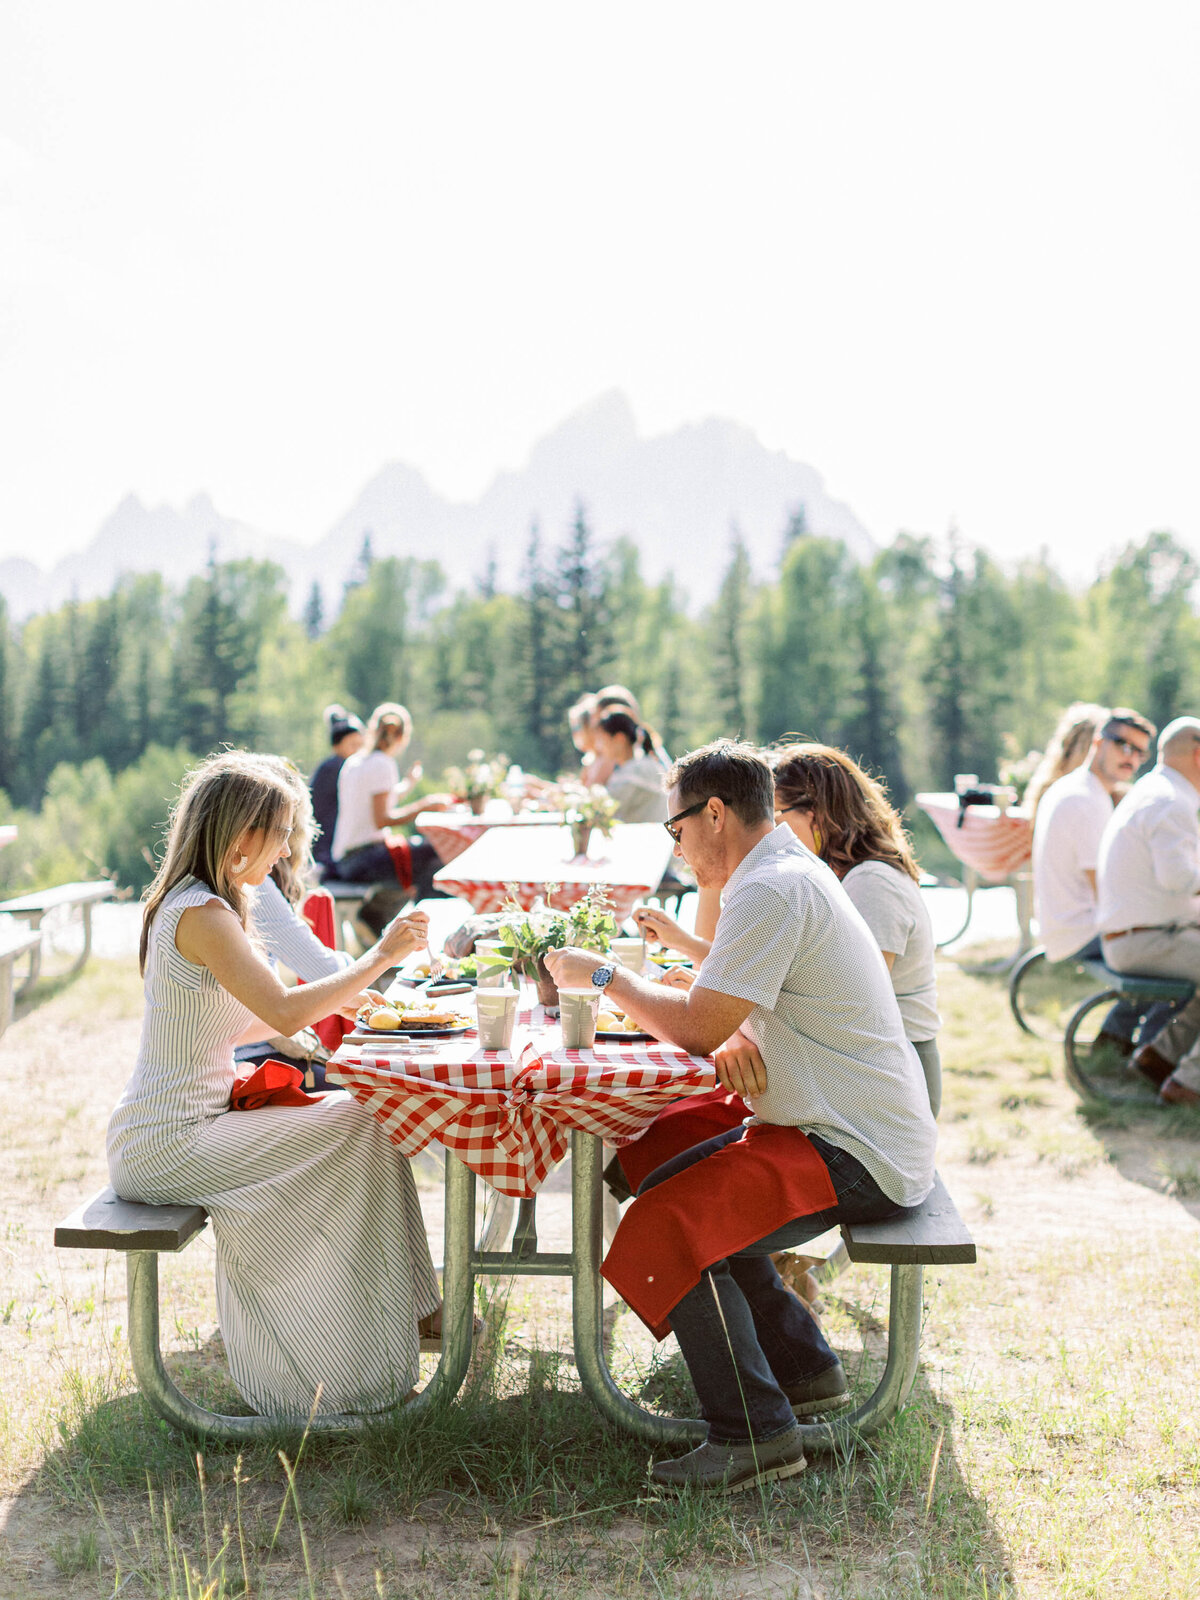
(332,1301)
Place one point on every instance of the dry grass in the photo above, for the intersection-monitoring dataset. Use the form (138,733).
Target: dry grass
(1051,1447)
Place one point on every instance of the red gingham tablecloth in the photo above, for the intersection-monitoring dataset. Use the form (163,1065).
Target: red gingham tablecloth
(452,832)
(996,843)
(508,1116)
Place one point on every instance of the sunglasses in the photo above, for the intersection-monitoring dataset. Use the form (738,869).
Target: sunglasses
(679,816)
(1124,744)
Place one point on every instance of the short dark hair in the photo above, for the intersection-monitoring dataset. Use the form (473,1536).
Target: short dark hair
(1121,716)
(731,771)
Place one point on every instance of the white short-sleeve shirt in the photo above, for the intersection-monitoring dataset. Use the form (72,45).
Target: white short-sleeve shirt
(825,1015)
(1071,818)
(365,775)
(891,905)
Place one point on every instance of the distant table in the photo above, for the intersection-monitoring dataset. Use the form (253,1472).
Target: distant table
(630,863)
(994,845)
(8,834)
(451,832)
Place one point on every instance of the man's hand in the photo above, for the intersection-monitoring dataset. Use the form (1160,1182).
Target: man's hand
(572,969)
(740,1068)
(678,978)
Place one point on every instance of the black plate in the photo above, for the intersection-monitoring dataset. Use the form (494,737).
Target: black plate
(362,1034)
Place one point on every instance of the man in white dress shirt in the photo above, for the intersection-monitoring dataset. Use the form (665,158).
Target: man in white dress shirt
(1149,895)
(1071,818)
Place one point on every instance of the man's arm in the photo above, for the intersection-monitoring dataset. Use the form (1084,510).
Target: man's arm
(697,1020)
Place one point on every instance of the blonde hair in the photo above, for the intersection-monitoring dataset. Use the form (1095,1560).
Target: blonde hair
(388,724)
(1068,749)
(219,800)
(850,809)
(293,872)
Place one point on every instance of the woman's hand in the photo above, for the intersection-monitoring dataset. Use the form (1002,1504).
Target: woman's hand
(740,1067)
(404,934)
(678,978)
(369,999)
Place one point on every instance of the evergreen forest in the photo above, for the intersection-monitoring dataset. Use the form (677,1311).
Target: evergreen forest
(931,660)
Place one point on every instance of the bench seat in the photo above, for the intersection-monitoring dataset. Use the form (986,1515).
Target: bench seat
(1140,986)
(32,908)
(106,1222)
(932,1235)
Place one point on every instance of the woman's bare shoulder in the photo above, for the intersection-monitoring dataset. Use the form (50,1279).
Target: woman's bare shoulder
(199,926)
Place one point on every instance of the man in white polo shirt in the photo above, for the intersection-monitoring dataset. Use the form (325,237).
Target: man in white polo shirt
(1149,910)
(842,1130)
(1071,818)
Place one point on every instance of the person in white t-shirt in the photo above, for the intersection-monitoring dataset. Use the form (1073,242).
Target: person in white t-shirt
(1071,817)
(370,792)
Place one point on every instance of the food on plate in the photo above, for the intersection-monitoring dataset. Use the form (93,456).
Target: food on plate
(616,1022)
(411,1015)
(665,958)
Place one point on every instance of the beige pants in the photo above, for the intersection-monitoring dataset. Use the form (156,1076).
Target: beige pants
(1167,953)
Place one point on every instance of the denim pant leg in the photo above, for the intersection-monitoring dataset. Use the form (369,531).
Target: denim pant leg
(1123,1018)
(742,1334)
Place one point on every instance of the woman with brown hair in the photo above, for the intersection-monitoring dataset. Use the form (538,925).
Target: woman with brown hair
(325,1317)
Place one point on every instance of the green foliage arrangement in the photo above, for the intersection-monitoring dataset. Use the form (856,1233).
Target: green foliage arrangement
(479,778)
(591,807)
(528,936)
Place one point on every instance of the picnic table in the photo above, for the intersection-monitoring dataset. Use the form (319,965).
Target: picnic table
(630,863)
(451,832)
(994,844)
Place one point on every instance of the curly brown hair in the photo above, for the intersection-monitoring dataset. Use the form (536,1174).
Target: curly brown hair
(852,815)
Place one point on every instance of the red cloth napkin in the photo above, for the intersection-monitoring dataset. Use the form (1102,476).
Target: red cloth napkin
(687,1122)
(401,853)
(317,910)
(739,1195)
(275,1083)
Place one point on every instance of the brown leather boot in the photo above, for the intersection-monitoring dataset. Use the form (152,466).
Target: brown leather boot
(1153,1066)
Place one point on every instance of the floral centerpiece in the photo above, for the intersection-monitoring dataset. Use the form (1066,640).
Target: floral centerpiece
(527,936)
(585,810)
(478,780)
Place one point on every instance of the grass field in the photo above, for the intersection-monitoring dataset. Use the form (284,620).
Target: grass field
(1050,1448)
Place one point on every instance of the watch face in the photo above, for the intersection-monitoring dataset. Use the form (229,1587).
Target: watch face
(602,976)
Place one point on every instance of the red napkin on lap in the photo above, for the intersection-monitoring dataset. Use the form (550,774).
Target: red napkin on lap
(275,1083)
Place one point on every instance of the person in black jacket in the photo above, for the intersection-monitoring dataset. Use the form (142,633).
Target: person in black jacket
(346,737)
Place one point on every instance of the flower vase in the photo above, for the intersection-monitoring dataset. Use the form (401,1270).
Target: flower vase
(547,989)
(477,803)
(581,834)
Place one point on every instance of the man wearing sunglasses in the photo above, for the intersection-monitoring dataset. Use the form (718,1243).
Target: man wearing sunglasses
(1071,818)
(1149,901)
(796,991)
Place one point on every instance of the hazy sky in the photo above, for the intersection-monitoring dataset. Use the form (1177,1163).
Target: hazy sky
(944,253)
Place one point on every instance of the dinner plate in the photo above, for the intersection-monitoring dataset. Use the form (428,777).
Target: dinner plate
(375,1034)
(621,1035)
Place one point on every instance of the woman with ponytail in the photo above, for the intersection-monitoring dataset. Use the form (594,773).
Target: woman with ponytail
(636,779)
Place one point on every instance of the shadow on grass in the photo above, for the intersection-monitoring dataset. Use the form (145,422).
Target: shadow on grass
(523,1458)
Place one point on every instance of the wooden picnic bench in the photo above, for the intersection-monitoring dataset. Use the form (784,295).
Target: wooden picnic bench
(16,940)
(33,908)
(932,1234)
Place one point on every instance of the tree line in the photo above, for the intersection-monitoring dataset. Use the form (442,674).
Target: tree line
(929,660)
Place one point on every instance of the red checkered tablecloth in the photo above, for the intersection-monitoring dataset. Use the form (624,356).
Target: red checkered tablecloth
(508,1116)
(996,843)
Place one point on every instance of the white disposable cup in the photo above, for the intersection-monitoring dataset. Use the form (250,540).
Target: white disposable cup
(577,1013)
(488,950)
(496,1010)
(630,953)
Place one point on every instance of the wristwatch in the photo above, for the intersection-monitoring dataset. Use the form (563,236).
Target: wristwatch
(603,976)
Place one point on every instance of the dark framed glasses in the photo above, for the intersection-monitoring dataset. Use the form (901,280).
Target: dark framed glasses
(1129,748)
(679,816)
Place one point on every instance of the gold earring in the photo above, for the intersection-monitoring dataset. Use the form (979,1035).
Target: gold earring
(239,863)
(817,840)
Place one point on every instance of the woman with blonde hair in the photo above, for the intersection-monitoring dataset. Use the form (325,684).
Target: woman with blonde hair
(370,793)
(338,1307)
(1068,748)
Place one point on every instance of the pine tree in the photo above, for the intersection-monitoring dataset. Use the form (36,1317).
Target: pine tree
(730,617)
(314,612)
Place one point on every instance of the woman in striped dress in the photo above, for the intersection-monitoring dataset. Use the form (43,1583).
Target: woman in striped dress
(335,1305)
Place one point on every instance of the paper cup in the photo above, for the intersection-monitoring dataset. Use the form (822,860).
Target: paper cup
(496,1010)
(487,950)
(577,1010)
(630,953)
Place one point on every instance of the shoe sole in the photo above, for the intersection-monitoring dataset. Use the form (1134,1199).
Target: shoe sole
(785,1469)
(816,1408)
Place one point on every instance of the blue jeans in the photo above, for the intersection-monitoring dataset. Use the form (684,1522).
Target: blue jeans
(743,1335)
